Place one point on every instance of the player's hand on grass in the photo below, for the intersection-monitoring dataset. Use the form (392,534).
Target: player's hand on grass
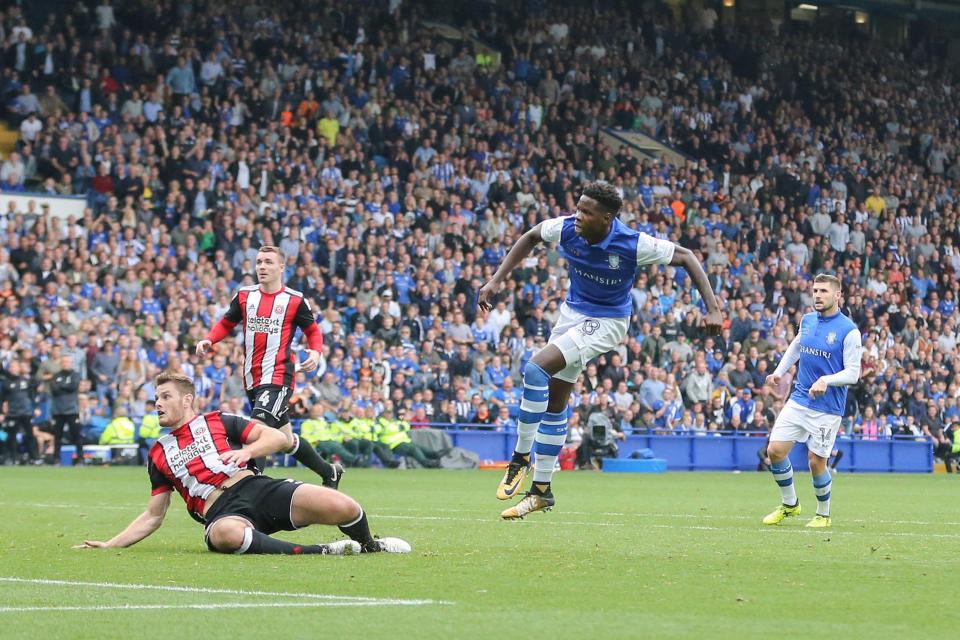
(92,544)
(713,322)
(239,457)
(487,294)
(202,347)
(818,389)
(312,361)
(773,380)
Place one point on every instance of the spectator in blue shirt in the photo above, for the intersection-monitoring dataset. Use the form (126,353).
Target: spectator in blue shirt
(496,372)
(180,79)
(508,396)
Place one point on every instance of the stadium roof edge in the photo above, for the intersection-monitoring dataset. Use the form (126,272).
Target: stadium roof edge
(911,9)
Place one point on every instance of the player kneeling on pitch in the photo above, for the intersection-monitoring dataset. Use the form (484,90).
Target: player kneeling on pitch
(828,350)
(208,459)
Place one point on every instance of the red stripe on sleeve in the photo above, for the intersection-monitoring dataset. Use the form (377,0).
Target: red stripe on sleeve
(221,330)
(314,337)
(246,431)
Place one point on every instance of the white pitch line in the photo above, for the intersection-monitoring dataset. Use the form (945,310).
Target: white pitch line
(696,516)
(234,592)
(635,514)
(577,523)
(85,507)
(221,605)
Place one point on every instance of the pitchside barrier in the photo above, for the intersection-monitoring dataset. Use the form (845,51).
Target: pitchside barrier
(725,451)
(718,451)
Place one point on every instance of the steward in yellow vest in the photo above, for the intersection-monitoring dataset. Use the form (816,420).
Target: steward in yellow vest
(120,430)
(395,434)
(356,435)
(150,426)
(374,428)
(325,437)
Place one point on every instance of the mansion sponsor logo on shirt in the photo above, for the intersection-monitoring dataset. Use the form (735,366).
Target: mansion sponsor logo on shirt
(596,278)
(810,351)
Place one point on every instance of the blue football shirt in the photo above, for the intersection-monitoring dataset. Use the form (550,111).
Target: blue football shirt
(827,346)
(602,274)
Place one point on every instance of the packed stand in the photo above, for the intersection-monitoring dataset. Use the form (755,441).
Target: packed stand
(395,168)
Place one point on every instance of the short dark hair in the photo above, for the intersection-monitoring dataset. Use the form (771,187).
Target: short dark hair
(605,194)
(183,383)
(826,277)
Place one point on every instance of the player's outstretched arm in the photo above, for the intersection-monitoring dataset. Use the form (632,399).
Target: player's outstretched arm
(223,328)
(683,257)
(520,250)
(790,357)
(145,524)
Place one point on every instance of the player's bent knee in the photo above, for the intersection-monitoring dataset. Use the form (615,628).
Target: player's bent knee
(347,509)
(226,535)
(319,505)
(551,358)
(535,376)
(342,509)
(777,451)
(816,462)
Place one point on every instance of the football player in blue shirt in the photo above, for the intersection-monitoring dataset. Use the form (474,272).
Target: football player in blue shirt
(603,256)
(828,349)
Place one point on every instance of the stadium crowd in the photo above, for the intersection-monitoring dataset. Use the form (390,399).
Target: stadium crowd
(395,167)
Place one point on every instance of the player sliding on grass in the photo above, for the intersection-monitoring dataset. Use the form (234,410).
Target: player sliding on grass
(207,459)
(828,349)
(603,255)
(270,314)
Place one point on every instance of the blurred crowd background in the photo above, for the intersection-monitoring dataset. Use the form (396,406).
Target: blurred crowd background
(395,165)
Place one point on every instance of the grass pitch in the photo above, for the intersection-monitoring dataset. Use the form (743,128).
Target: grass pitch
(622,556)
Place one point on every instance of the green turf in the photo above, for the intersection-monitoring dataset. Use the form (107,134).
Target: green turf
(675,555)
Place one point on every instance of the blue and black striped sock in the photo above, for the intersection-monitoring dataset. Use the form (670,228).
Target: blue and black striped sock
(821,487)
(783,473)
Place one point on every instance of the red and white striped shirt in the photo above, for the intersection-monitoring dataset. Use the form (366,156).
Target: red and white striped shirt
(188,458)
(269,321)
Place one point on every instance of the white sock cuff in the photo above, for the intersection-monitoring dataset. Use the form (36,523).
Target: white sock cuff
(247,540)
(528,427)
(534,406)
(355,521)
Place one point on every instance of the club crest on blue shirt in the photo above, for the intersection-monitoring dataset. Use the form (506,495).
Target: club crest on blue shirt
(613,260)
(831,337)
